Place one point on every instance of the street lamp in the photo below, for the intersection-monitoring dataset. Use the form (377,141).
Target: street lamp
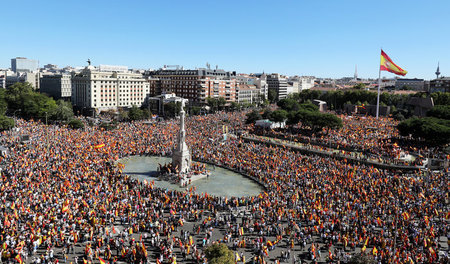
(14,114)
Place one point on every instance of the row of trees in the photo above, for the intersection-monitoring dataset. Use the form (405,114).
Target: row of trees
(20,100)
(293,113)
(336,99)
(433,129)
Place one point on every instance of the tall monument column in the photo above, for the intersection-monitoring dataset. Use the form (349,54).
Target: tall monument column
(181,158)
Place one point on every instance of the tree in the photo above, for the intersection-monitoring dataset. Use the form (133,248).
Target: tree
(234,106)
(221,102)
(135,113)
(431,129)
(441,98)
(21,96)
(3,103)
(252,117)
(359,86)
(195,110)
(62,112)
(219,254)
(266,114)
(16,93)
(292,118)
(6,123)
(273,95)
(309,106)
(440,111)
(278,116)
(331,121)
(172,109)
(288,104)
(212,103)
(76,124)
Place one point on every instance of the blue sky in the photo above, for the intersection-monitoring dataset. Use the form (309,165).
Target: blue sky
(324,38)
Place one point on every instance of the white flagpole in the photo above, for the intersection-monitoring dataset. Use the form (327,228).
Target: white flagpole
(379,88)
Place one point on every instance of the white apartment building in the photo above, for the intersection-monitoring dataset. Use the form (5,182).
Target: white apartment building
(278,83)
(108,90)
(248,94)
(301,83)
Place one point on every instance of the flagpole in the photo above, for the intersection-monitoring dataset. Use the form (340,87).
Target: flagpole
(379,88)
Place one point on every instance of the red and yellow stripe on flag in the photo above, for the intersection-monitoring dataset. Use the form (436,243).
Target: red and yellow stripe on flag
(102,261)
(99,146)
(241,231)
(19,259)
(386,64)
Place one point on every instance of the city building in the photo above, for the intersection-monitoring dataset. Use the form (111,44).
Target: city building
(441,84)
(248,94)
(108,90)
(301,83)
(279,84)
(195,85)
(21,64)
(58,86)
(30,77)
(3,75)
(257,79)
(409,84)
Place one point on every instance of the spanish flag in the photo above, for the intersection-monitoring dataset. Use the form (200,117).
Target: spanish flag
(65,208)
(19,259)
(98,146)
(241,231)
(374,251)
(102,261)
(386,64)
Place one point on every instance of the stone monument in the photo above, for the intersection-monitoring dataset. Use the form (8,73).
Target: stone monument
(181,158)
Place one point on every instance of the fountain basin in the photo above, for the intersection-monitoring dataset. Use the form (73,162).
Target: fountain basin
(221,182)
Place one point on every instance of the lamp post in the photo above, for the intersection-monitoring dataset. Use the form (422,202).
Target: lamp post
(14,114)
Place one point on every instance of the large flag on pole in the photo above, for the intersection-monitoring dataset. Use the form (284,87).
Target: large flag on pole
(386,64)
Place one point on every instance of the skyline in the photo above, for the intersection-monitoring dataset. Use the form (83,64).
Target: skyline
(322,39)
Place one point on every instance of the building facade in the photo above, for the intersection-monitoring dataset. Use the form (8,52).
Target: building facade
(441,84)
(195,85)
(301,83)
(248,94)
(30,77)
(21,64)
(58,86)
(104,90)
(409,84)
(279,84)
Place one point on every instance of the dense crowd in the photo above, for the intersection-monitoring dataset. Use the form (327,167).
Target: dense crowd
(65,189)
(373,138)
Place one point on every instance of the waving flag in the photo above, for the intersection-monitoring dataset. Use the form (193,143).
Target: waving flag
(386,64)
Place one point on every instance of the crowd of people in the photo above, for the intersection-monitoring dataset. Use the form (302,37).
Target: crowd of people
(64,198)
(374,138)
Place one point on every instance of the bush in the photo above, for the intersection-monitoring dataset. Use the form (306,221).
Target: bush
(6,123)
(219,254)
(76,124)
(440,111)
